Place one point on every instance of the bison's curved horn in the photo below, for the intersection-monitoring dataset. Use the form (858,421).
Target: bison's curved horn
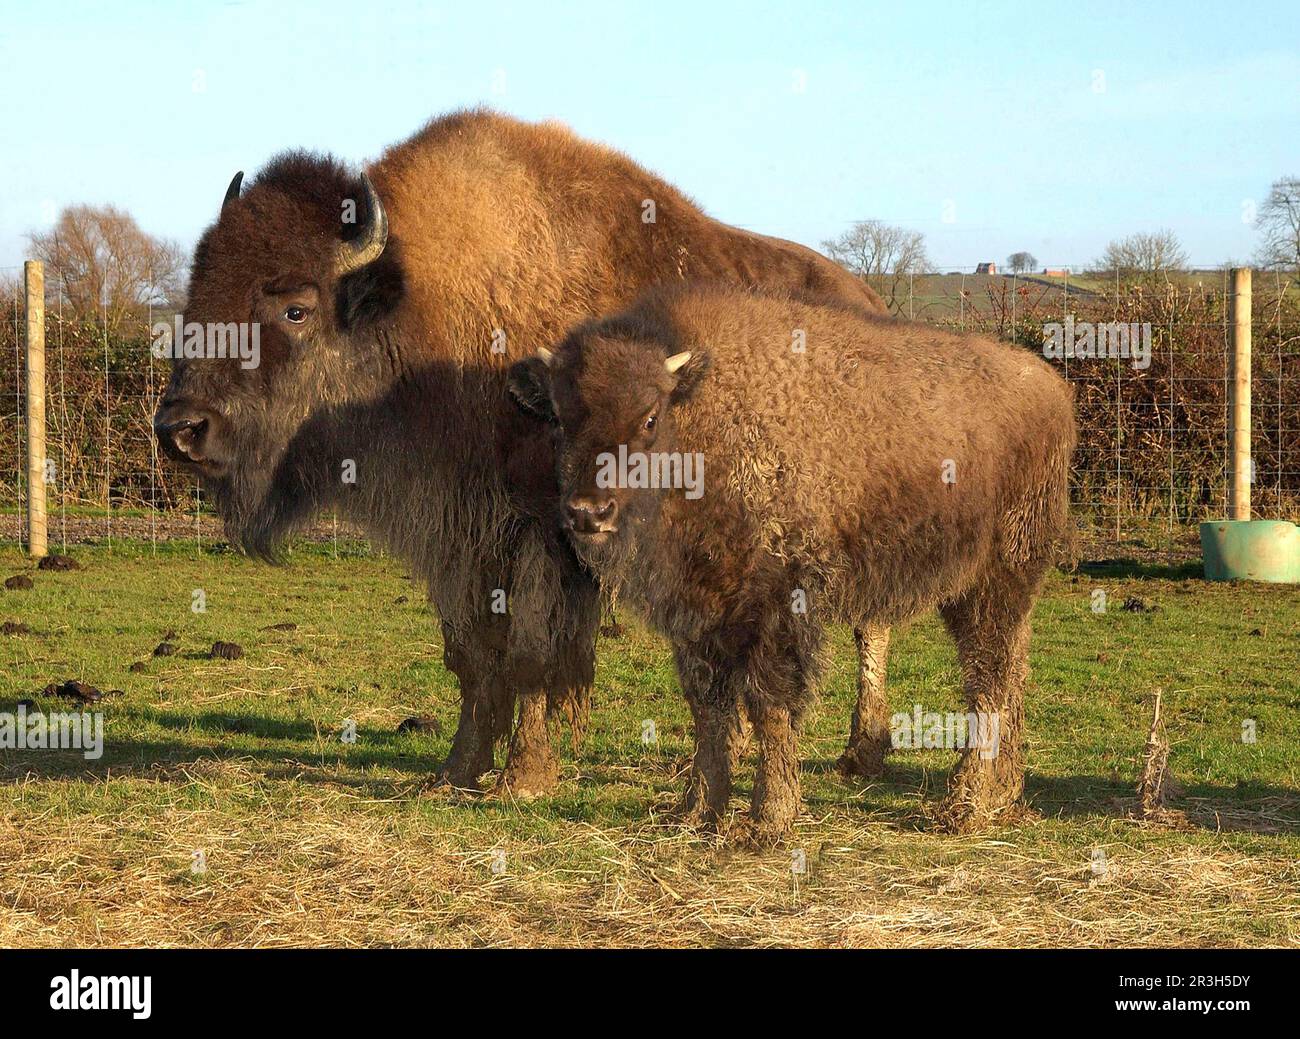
(545,356)
(677,360)
(232,192)
(367,246)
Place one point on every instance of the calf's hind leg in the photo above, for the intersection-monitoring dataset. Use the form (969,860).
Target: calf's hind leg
(991,628)
(869,730)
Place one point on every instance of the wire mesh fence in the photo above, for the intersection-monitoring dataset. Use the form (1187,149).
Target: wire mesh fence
(1152,459)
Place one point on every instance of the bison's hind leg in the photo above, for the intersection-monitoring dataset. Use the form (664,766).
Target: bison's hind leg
(991,627)
(869,730)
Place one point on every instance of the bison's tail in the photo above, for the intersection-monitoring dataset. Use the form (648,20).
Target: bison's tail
(1038,527)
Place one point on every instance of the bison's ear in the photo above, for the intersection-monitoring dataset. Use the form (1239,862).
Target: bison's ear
(690,368)
(527,383)
(373,292)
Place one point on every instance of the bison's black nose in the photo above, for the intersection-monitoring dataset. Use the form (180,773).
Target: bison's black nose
(590,515)
(184,431)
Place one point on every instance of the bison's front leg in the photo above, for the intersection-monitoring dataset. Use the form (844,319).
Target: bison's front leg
(781,673)
(777,796)
(710,693)
(531,766)
(555,611)
(869,730)
(469,659)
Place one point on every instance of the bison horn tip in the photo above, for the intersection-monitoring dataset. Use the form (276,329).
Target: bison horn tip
(545,356)
(232,192)
(677,360)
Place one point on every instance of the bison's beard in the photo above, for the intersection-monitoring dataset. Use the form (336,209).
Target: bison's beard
(266,493)
(614,557)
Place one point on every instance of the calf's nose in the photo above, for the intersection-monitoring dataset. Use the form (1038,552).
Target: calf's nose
(591,515)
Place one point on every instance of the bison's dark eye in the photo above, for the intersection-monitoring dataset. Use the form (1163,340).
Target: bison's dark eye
(651,422)
(295,314)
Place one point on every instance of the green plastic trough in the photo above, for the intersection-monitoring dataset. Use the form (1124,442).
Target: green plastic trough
(1251,550)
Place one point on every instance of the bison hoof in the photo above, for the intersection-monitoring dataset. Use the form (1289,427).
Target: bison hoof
(525,784)
(962,817)
(450,777)
(694,812)
(862,760)
(756,834)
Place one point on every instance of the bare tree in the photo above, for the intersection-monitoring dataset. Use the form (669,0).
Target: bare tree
(881,255)
(1140,257)
(1279,222)
(105,267)
(1021,262)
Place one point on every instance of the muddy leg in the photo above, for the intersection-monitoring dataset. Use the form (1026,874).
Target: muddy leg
(777,796)
(991,626)
(531,767)
(869,731)
(471,748)
(709,693)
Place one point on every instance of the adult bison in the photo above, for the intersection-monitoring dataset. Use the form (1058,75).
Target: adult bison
(390,305)
(744,487)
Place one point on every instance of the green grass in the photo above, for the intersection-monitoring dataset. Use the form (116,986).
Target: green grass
(311,840)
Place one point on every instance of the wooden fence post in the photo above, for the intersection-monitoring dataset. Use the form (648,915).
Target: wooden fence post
(34,273)
(1239,464)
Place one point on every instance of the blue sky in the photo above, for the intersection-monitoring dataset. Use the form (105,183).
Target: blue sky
(989,127)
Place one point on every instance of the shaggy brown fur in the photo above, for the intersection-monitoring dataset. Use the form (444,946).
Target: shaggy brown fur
(501,235)
(824,498)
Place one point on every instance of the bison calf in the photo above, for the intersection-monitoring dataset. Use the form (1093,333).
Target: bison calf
(748,468)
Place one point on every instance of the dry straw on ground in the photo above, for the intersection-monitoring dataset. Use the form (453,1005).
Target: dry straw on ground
(324,866)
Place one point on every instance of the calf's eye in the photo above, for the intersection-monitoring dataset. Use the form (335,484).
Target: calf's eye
(295,314)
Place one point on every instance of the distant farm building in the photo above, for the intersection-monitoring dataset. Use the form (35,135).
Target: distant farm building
(986,268)
(1056,272)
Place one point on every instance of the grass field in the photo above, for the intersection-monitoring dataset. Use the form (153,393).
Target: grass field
(308,839)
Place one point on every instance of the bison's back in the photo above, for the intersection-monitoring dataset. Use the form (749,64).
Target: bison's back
(901,459)
(530,229)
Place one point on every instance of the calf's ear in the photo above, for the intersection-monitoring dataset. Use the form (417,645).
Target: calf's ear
(527,383)
(689,367)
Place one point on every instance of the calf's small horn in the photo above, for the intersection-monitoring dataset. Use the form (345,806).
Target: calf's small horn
(232,192)
(677,360)
(545,356)
(367,246)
